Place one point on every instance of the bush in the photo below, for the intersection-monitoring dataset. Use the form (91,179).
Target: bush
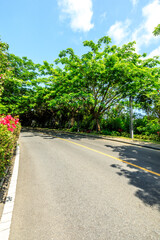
(106,132)
(87,123)
(115,133)
(147,127)
(125,134)
(154,137)
(9,132)
(114,124)
(74,128)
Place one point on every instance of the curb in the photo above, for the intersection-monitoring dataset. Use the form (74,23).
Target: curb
(5,221)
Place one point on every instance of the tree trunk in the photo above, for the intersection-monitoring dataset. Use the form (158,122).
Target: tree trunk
(72,121)
(98,125)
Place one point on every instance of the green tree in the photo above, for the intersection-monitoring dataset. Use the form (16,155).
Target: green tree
(5,71)
(100,78)
(17,84)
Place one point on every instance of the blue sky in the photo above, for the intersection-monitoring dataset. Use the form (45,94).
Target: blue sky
(40,29)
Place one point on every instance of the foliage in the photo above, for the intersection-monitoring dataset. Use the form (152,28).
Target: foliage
(9,132)
(147,126)
(156,31)
(18,87)
(116,124)
(100,78)
(149,101)
(4,69)
(153,137)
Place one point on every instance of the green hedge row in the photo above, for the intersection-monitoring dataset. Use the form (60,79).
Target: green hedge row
(153,137)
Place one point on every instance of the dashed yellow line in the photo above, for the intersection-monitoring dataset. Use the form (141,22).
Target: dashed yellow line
(134,165)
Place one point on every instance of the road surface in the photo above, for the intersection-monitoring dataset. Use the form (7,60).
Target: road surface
(75,187)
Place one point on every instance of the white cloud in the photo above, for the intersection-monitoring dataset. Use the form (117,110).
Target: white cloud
(143,34)
(80,13)
(155,52)
(152,14)
(119,31)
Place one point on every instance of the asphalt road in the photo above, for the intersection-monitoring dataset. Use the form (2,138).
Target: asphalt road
(74,188)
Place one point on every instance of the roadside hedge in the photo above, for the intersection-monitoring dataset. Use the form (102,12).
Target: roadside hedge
(9,133)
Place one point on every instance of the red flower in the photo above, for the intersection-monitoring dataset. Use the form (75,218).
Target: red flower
(10,129)
(13,126)
(9,121)
(16,121)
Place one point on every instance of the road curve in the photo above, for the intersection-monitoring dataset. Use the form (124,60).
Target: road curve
(74,188)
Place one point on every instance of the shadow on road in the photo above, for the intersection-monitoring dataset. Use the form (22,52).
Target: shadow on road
(53,134)
(147,184)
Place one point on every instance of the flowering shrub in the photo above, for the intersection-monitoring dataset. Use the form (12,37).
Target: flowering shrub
(9,132)
(10,122)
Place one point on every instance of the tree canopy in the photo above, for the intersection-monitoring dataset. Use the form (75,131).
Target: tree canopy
(87,86)
(101,77)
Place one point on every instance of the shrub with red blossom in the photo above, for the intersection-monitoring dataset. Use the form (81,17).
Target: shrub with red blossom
(10,122)
(9,132)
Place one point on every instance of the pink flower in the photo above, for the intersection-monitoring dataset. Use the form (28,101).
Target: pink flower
(9,117)
(13,126)
(9,121)
(10,129)
(16,121)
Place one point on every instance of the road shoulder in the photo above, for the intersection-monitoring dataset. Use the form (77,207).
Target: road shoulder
(8,201)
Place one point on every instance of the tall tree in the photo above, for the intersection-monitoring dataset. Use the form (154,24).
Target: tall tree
(101,77)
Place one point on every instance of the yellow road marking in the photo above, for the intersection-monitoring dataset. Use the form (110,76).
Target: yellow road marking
(134,165)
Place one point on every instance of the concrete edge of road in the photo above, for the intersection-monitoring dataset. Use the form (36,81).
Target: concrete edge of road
(6,218)
(127,141)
